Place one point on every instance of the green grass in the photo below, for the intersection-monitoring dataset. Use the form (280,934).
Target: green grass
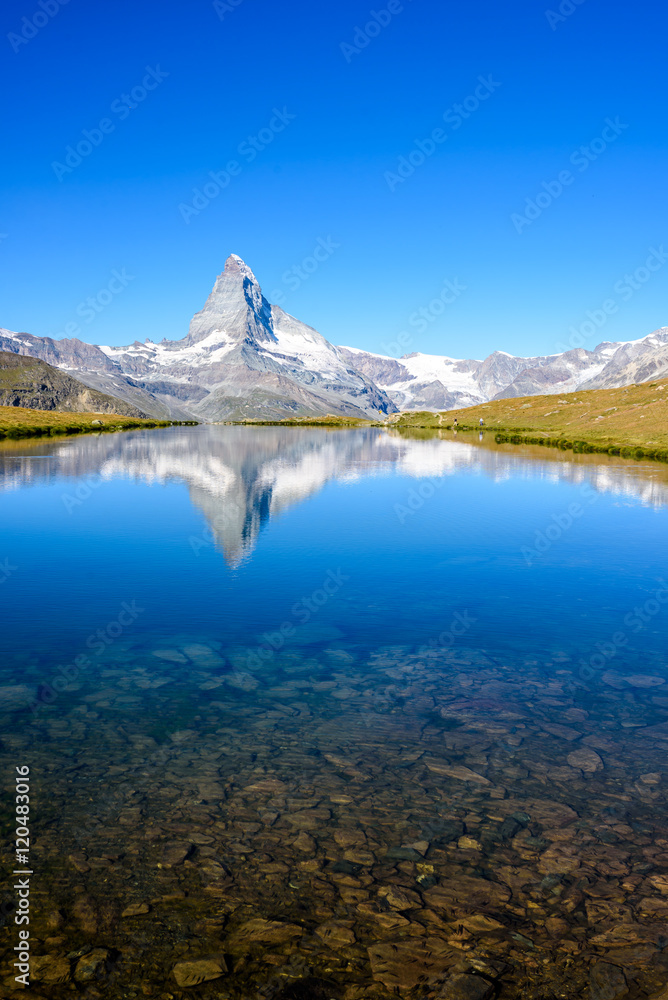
(19,422)
(327,421)
(632,421)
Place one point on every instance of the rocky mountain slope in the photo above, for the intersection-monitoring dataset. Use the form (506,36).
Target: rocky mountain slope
(29,382)
(244,358)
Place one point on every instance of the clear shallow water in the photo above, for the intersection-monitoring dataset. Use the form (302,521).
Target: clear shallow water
(403,699)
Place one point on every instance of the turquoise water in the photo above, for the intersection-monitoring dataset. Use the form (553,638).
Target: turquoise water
(330,667)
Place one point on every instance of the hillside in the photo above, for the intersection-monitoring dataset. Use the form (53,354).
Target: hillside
(634,417)
(34,384)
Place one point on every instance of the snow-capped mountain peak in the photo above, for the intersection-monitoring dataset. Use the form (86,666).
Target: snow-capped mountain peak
(243,357)
(235,263)
(236,307)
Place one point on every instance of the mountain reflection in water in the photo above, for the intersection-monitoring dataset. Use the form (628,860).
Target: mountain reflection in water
(241,477)
(343,715)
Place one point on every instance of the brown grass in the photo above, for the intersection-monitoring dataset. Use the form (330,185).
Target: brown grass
(17,421)
(634,417)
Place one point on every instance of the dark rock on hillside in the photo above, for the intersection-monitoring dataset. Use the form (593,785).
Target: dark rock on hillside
(29,382)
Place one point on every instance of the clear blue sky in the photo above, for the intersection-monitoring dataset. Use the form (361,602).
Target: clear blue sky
(323,176)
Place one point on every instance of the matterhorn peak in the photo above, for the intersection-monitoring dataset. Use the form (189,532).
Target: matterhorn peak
(235,307)
(236,265)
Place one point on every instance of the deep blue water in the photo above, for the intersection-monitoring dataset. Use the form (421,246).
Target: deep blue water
(91,523)
(360,712)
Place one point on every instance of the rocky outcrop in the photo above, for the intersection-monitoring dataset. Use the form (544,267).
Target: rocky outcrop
(638,361)
(29,382)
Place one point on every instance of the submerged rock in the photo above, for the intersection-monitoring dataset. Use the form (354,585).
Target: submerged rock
(310,988)
(16,696)
(585,760)
(172,655)
(203,970)
(400,899)
(336,935)
(467,892)
(263,932)
(49,969)
(607,982)
(466,987)
(405,964)
(136,910)
(456,771)
(175,854)
(644,680)
(241,680)
(92,966)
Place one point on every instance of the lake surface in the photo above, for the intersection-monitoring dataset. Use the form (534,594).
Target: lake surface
(316,713)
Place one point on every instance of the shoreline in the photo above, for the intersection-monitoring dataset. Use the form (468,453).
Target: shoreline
(630,421)
(18,422)
(579,446)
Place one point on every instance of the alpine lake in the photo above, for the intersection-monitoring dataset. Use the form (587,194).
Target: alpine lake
(319,714)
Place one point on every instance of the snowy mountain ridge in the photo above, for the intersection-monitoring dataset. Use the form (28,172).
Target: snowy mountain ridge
(243,357)
(431,382)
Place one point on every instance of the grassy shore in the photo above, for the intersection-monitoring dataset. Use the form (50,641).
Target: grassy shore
(632,421)
(327,421)
(18,422)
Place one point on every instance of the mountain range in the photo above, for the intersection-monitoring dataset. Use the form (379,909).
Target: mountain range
(245,358)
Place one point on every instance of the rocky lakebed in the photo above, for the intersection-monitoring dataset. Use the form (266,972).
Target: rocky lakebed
(340,824)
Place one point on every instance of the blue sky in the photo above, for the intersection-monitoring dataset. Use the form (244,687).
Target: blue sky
(309,124)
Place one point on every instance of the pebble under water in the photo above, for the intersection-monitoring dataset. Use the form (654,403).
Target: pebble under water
(323,748)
